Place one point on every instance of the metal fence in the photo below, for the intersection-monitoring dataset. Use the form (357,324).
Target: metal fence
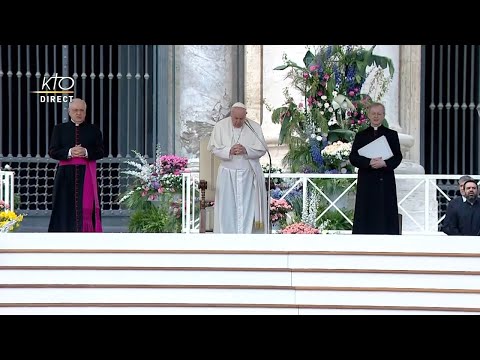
(120,84)
(422,199)
(451,122)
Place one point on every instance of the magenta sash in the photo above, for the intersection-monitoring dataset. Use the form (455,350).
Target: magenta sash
(90,193)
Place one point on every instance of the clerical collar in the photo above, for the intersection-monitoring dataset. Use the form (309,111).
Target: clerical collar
(376,127)
(74,123)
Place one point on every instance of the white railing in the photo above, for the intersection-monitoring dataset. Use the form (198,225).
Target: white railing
(191,203)
(6,188)
(417,195)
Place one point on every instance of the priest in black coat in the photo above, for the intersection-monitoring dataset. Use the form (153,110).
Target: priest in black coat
(77,145)
(376,209)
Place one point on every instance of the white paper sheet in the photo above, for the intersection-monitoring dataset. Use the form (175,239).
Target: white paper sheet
(377,148)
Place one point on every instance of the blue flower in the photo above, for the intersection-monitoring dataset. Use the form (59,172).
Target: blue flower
(315,150)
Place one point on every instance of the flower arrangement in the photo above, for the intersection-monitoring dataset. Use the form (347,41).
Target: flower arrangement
(9,220)
(299,228)
(278,210)
(334,107)
(172,164)
(155,194)
(336,157)
(164,175)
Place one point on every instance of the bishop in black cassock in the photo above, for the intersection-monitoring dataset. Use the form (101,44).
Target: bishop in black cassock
(376,209)
(77,145)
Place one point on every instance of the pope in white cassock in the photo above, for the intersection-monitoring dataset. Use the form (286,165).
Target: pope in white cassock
(241,196)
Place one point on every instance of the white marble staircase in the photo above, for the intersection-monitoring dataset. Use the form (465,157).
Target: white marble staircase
(226,274)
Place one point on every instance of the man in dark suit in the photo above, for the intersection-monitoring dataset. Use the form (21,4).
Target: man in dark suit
(463,217)
(461,184)
(376,209)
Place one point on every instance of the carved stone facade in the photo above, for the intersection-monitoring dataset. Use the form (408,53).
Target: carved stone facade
(203,93)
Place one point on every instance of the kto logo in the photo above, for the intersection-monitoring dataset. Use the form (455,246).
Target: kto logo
(52,84)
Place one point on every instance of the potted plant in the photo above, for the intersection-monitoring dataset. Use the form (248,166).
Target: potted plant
(157,185)
(278,213)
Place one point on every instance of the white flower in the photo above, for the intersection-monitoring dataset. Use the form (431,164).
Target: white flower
(322,112)
(330,109)
(334,93)
(8,167)
(326,105)
(332,121)
(343,102)
(319,138)
(312,136)
(323,97)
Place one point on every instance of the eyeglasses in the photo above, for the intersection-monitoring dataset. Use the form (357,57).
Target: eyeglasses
(77,110)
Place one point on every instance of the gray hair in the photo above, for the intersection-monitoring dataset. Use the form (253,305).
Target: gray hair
(464,178)
(77,100)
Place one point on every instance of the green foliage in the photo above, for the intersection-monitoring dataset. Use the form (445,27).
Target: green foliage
(297,205)
(333,220)
(17,201)
(334,107)
(136,201)
(333,186)
(154,220)
(298,155)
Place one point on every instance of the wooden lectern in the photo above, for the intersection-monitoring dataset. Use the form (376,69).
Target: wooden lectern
(208,180)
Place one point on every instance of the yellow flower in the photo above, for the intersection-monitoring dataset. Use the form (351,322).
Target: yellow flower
(7,217)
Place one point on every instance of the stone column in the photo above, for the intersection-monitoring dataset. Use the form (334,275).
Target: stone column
(409,111)
(410,95)
(204,84)
(254,82)
(273,85)
(392,99)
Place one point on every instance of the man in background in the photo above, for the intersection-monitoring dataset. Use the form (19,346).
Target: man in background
(463,217)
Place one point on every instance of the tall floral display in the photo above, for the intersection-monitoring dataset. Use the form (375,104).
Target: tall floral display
(155,194)
(320,128)
(334,105)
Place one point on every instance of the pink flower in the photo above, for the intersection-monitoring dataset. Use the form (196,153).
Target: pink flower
(299,228)
(314,68)
(310,101)
(351,93)
(278,209)
(3,205)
